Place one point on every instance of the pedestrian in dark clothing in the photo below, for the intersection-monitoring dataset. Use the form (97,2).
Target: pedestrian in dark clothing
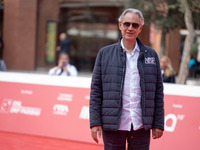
(126,99)
(65,44)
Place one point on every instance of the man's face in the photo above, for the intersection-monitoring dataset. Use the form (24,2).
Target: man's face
(131,32)
(163,63)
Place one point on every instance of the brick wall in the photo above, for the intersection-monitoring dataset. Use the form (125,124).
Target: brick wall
(19,34)
(48,11)
(24,29)
(172,49)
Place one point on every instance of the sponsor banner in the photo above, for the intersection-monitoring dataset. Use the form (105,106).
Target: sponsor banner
(44,106)
(182,124)
(52,111)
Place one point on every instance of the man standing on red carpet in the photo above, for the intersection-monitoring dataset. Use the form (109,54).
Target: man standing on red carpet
(126,99)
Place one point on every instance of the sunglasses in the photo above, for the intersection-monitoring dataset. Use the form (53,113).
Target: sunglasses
(134,25)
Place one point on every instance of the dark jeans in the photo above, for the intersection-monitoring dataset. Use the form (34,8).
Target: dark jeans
(116,140)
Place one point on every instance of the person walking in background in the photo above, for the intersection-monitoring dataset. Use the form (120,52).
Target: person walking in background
(126,99)
(63,68)
(2,63)
(167,70)
(65,44)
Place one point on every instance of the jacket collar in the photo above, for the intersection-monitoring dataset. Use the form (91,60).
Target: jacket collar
(141,45)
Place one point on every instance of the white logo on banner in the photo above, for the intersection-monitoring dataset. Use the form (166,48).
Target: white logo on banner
(60,109)
(5,106)
(87,97)
(84,113)
(15,107)
(174,119)
(64,97)
(173,124)
(177,106)
(27,92)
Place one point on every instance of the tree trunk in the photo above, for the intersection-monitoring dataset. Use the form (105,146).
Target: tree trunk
(184,67)
(162,45)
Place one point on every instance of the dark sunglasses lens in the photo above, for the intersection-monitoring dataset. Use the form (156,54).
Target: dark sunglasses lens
(126,24)
(135,25)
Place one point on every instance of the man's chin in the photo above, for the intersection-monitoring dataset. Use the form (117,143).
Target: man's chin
(128,38)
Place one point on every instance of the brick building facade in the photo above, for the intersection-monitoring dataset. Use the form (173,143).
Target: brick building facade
(24,32)
(19,34)
(25,26)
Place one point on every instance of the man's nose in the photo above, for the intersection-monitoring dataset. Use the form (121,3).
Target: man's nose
(130,27)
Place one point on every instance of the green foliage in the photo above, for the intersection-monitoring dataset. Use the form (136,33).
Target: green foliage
(194,50)
(167,14)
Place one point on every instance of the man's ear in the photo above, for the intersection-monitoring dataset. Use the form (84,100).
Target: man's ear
(120,25)
(140,28)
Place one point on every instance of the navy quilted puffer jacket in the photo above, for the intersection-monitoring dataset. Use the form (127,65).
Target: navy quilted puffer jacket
(107,88)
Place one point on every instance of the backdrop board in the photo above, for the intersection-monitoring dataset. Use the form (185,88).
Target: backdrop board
(58,107)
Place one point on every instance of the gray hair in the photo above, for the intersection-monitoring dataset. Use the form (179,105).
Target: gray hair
(135,11)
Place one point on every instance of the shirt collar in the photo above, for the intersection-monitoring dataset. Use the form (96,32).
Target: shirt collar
(137,48)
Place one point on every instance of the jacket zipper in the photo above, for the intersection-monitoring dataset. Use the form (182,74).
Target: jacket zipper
(141,86)
(123,74)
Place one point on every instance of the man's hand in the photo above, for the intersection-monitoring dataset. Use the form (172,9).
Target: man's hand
(60,64)
(156,133)
(94,131)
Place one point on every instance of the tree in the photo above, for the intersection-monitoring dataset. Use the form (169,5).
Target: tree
(168,15)
(189,40)
(162,14)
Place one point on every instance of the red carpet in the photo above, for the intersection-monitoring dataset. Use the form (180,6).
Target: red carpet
(11,141)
